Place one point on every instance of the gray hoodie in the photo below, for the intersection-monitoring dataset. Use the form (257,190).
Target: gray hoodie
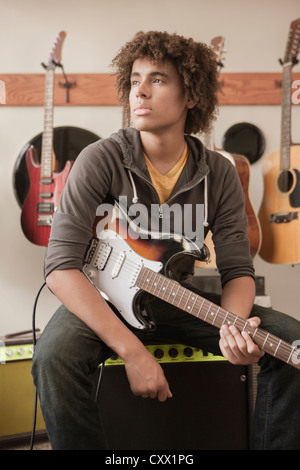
(116,167)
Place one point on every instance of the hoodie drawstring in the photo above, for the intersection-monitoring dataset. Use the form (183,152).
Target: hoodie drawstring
(205,222)
(135,197)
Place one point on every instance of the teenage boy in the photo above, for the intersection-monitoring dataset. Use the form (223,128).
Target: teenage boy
(168,86)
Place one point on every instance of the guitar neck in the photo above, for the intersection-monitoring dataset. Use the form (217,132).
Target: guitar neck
(47,139)
(173,293)
(286,117)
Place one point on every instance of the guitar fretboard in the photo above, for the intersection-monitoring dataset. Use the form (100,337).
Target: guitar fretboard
(172,292)
(47,139)
(286,117)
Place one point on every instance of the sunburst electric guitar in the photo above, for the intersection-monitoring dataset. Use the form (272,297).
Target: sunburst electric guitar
(279,213)
(125,264)
(45,184)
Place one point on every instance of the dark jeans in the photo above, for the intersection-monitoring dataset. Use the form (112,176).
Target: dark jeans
(68,353)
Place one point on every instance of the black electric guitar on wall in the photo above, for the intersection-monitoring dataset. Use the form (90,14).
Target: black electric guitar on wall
(279,213)
(125,264)
(45,184)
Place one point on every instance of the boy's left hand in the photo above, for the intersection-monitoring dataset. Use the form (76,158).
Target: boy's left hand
(239,348)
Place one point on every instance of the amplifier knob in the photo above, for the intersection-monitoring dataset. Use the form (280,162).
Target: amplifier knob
(21,351)
(9,352)
(173,352)
(188,352)
(158,353)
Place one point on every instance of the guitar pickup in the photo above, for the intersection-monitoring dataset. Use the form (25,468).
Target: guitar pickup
(45,195)
(102,255)
(45,208)
(118,265)
(46,181)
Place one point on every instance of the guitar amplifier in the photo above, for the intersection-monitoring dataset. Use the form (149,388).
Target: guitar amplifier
(211,407)
(17,389)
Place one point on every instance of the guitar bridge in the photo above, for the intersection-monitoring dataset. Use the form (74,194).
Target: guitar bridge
(91,251)
(283,217)
(45,220)
(45,208)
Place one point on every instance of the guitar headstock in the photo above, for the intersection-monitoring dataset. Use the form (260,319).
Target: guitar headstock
(217,45)
(292,47)
(55,54)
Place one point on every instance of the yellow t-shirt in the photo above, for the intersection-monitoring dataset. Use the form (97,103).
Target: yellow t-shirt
(164,184)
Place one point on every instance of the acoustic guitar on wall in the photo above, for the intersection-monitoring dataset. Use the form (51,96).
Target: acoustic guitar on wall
(279,213)
(45,184)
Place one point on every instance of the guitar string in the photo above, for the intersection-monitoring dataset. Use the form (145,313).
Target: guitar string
(127,266)
(271,343)
(130,267)
(268,340)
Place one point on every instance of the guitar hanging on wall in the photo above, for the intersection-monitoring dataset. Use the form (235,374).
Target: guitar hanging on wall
(45,184)
(243,169)
(279,213)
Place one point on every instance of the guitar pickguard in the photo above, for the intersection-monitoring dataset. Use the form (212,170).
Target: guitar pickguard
(295,195)
(112,264)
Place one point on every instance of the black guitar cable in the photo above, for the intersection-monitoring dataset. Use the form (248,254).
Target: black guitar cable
(34,344)
(101,369)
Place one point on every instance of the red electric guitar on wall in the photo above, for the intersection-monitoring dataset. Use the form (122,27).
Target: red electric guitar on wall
(45,184)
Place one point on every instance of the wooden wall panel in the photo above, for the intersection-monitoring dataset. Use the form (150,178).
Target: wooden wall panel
(99,90)
(90,90)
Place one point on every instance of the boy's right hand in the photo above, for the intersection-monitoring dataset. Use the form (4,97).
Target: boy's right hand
(146,377)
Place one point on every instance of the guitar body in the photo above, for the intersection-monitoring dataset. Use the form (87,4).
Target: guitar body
(42,199)
(121,248)
(254,232)
(279,213)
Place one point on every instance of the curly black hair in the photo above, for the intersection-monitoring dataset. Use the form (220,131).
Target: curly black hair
(195,62)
